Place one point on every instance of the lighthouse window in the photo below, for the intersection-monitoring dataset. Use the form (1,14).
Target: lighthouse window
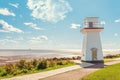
(90,24)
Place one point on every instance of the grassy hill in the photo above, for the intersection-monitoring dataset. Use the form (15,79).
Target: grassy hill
(108,73)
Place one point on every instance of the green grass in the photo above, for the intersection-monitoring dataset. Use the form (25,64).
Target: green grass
(108,73)
(108,59)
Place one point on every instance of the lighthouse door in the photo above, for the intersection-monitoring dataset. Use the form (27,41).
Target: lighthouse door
(94,54)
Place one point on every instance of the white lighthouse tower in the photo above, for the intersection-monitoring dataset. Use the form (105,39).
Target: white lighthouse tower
(92,48)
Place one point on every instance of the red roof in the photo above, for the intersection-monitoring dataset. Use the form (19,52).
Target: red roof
(94,28)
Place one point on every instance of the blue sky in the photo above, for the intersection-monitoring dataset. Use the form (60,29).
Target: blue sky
(55,24)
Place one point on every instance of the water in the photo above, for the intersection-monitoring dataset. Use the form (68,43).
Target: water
(37,53)
(49,53)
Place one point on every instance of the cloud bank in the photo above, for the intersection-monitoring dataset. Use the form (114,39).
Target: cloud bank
(49,10)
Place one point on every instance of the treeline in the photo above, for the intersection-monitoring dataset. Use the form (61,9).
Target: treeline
(23,66)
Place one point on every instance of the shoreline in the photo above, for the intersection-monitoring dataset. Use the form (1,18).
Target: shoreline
(11,56)
(12,59)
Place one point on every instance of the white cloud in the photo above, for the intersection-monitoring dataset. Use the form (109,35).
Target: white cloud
(8,37)
(10,40)
(49,10)
(116,34)
(75,26)
(6,12)
(32,25)
(39,39)
(6,41)
(14,5)
(44,37)
(102,23)
(117,21)
(20,39)
(5,27)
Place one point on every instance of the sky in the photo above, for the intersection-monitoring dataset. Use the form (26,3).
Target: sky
(56,24)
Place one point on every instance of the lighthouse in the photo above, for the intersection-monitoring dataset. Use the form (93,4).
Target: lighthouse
(92,47)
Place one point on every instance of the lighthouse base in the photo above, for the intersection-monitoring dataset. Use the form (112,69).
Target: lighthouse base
(92,64)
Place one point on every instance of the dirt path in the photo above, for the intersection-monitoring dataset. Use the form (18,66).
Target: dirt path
(72,75)
(41,75)
(78,74)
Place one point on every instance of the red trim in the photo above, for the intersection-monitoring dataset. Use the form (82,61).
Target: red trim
(94,28)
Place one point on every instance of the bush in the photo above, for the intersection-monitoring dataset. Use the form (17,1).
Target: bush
(22,64)
(34,63)
(10,68)
(29,66)
(43,64)
(59,63)
(63,62)
(24,71)
(52,63)
(3,72)
(16,72)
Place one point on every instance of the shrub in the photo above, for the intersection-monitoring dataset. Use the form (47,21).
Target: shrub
(3,72)
(52,63)
(34,63)
(43,64)
(16,72)
(22,64)
(59,63)
(62,62)
(10,68)
(29,66)
(24,71)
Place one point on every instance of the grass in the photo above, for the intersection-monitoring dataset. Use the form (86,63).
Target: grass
(108,73)
(108,59)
